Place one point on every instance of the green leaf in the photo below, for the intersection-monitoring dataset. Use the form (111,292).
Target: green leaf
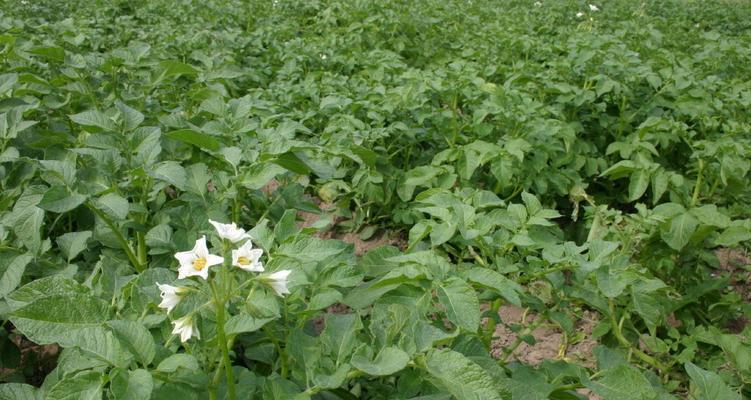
(461,304)
(244,323)
(44,287)
(131,117)
(197,179)
(132,385)
(648,308)
(709,215)
(159,239)
(324,298)
(72,244)
(171,172)
(27,225)
(461,377)
(339,337)
(84,386)
(622,382)
(113,205)
(259,174)
(292,162)
(59,173)
(57,199)
(134,337)
(507,288)
(733,235)
(638,184)
(659,185)
(198,139)
(60,318)
(12,272)
(389,360)
(20,391)
(708,385)
(176,68)
(680,230)
(94,118)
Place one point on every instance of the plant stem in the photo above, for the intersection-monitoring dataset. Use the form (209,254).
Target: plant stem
(119,235)
(697,186)
(141,249)
(616,328)
(222,341)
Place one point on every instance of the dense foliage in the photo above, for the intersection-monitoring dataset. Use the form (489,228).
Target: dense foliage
(527,155)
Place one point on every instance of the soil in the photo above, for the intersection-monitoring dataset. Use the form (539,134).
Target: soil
(35,362)
(383,238)
(732,262)
(549,339)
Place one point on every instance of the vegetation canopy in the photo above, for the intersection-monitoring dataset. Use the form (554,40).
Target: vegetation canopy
(336,200)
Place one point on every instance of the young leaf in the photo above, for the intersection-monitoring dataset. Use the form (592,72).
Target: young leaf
(463,378)
(708,385)
(461,304)
(113,205)
(59,200)
(132,385)
(389,360)
(94,118)
(135,338)
(83,386)
(680,230)
(72,244)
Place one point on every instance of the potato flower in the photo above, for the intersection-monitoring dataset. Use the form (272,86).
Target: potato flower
(579,14)
(196,262)
(230,231)
(278,281)
(248,258)
(184,328)
(593,8)
(170,296)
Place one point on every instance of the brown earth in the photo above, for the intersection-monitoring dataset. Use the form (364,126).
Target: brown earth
(35,362)
(383,238)
(549,339)
(735,263)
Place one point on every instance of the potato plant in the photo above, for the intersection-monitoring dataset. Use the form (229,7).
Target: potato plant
(243,199)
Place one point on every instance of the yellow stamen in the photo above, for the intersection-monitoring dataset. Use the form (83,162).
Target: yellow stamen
(243,261)
(199,263)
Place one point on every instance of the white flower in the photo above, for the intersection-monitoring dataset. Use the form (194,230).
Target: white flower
(579,14)
(184,328)
(278,281)
(248,258)
(230,231)
(170,296)
(196,262)
(593,8)
(538,4)
(323,57)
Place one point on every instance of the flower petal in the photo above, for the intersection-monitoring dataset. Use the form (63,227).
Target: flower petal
(213,260)
(185,257)
(200,249)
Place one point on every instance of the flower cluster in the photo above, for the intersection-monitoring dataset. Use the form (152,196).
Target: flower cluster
(198,261)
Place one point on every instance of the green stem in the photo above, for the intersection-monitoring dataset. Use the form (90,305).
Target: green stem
(119,235)
(537,275)
(222,341)
(282,355)
(616,328)
(697,186)
(141,240)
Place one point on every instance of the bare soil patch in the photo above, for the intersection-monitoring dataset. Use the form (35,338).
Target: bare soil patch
(550,342)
